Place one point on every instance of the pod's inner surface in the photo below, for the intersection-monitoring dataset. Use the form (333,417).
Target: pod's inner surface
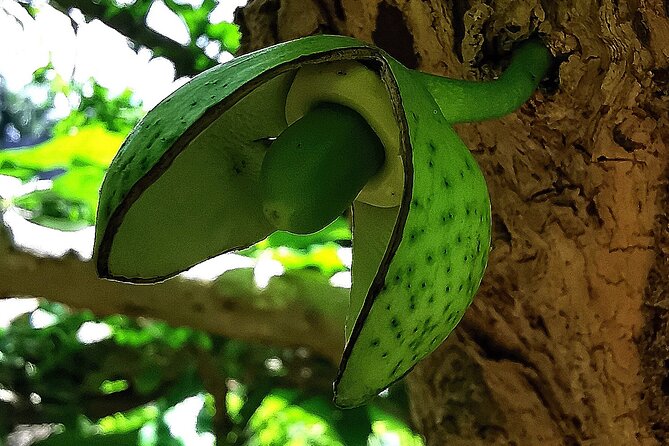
(208,200)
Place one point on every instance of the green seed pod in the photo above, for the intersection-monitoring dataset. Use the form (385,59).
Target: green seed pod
(317,166)
(187,185)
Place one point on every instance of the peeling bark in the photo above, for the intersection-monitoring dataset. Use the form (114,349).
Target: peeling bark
(568,339)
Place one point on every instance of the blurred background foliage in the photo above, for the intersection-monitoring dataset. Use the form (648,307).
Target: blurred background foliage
(69,378)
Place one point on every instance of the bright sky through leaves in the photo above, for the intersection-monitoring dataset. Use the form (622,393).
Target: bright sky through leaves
(94,51)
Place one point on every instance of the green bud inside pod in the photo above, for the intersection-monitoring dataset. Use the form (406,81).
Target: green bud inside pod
(316,168)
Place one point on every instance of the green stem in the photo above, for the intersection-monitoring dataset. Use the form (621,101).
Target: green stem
(470,101)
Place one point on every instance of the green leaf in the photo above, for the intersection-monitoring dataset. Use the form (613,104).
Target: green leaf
(48,208)
(91,145)
(337,231)
(71,202)
(69,438)
(322,257)
(226,33)
(10,168)
(281,420)
(129,421)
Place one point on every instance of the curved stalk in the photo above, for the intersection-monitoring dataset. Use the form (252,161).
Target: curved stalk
(471,101)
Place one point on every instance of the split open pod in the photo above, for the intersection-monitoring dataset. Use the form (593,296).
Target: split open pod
(289,137)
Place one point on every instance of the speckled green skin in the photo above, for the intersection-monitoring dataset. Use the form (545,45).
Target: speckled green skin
(436,256)
(416,267)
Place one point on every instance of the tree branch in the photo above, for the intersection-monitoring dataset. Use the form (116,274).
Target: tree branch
(134,28)
(299,308)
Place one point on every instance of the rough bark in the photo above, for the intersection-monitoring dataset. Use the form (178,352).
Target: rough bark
(567,341)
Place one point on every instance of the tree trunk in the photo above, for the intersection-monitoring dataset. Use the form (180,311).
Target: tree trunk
(568,339)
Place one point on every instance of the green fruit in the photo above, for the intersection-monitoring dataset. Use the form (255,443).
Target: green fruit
(187,184)
(317,166)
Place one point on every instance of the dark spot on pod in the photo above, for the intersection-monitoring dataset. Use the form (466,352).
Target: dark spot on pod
(388,307)
(468,164)
(462,174)
(397,366)
(108,208)
(399,335)
(430,164)
(466,258)
(429,258)
(193,104)
(478,246)
(384,287)
(414,116)
(433,147)
(384,355)
(398,278)
(414,358)
(415,203)
(415,330)
(446,183)
(375,342)
(394,322)
(447,308)
(460,287)
(468,211)
(431,299)
(448,269)
(144,164)
(444,251)
(409,286)
(412,307)
(459,239)
(434,340)
(423,285)
(341,73)
(448,288)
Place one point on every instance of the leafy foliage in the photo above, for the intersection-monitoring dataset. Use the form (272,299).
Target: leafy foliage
(131,21)
(74,164)
(90,103)
(115,380)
